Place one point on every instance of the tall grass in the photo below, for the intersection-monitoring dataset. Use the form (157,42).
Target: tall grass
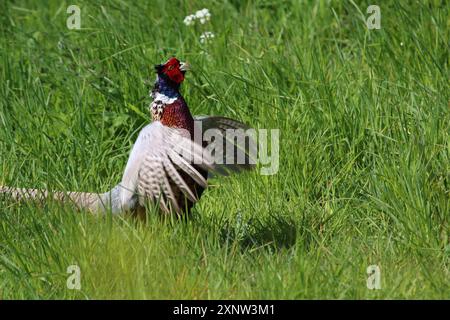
(364,155)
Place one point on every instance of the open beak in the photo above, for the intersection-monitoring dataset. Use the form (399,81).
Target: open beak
(184,66)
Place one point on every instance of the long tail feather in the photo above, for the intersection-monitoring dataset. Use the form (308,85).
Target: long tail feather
(93,202)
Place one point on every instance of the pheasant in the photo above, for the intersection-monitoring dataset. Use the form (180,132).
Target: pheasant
(166,167)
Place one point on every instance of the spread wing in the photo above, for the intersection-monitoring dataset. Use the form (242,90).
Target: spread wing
(236,150)
(158,157)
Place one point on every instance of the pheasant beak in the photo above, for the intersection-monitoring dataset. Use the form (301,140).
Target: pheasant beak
(184,66)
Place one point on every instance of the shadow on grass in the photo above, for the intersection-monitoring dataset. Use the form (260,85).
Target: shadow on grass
(274,232)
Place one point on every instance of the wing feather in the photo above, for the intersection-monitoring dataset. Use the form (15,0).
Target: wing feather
(157,154)
(188,168)
(178,180)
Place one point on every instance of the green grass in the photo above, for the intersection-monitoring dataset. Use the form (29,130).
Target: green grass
(364,173)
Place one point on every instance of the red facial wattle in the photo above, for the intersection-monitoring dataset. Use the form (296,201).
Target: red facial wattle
(173,71)
(175,74)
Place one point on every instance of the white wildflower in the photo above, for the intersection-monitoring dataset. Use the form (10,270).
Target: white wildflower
(189,20)
(203,15)
(205,36)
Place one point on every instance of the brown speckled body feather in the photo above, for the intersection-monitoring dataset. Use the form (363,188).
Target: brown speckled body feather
(177,115)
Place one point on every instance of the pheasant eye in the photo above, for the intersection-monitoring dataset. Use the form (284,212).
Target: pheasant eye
(170,68)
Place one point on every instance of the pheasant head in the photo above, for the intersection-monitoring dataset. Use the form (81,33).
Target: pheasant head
(168,105)
(173,71)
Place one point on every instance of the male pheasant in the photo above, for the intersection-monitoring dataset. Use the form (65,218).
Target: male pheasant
(166,166)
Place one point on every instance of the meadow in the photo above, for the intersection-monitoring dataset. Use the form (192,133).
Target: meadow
(364,163)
